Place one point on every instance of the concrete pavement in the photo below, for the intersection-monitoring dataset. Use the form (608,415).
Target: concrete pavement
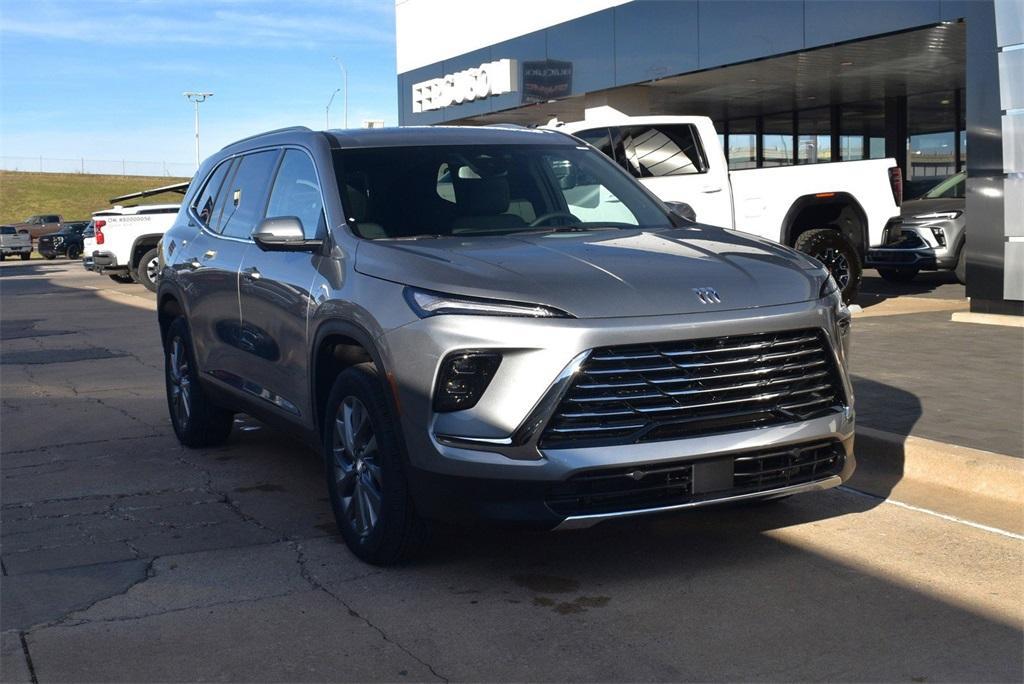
(128,558)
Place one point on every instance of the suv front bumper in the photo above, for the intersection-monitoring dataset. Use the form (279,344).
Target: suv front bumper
(918,247)
(469,464)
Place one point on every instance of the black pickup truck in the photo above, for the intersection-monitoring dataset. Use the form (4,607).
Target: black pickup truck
(65,242)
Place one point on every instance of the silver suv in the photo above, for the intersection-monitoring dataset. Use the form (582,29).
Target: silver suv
(495,323)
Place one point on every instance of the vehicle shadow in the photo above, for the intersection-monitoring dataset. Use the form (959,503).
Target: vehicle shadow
(874,289)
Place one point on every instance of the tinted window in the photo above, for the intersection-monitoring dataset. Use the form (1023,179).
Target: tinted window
(296,193)
(670,150)
(51,219)
(245,195)
(205,200)
(599,138)
(8,230)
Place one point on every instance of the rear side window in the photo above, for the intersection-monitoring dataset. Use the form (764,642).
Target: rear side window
(653,151)
(207,198)
(51,219)
(296,193)
(245,194)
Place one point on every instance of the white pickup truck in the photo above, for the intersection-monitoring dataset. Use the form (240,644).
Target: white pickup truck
(15,242)
(121,242)
(833,212)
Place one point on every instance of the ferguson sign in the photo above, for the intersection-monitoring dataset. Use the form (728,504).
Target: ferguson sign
(493,78)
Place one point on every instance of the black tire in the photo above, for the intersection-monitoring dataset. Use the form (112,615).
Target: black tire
(397,533)
(74,251)
(25,256)
(122,278)
(960,271)
(898,275)
(832,249)
(145,272)
(197,421)
(3,257)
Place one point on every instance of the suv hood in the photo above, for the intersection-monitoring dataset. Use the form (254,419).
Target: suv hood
(913,208)
(602,273)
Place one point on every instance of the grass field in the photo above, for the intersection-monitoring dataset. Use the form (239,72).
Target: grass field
(72,195)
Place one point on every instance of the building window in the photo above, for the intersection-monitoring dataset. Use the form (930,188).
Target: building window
(862,131)
(814,140)
(742,144)
(777,141)
(931,135)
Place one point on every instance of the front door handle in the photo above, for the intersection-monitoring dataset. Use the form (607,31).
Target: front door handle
(711,188)
(252,273)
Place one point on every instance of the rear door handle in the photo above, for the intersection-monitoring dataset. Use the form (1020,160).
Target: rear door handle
(252,273)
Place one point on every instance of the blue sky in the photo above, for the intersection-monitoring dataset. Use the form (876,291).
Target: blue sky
(103,79)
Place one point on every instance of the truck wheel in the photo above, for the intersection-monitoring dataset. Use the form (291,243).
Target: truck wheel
(828,246)
(74,251)
(364,463)
(898,275)
(196,420)
(3,257)
(122,278)
(145,270)
(25,256)
(961,265)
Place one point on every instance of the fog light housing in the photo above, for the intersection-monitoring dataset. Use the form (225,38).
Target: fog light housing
(940,235)
(463,378)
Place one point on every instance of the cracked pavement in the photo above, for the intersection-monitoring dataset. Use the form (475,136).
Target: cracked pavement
(126,557)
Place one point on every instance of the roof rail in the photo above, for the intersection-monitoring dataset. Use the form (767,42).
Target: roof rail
(504,125)
(287,129)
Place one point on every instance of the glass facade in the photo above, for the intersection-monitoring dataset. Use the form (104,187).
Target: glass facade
(742,139)
(862,131)
(777,140)
(932,132)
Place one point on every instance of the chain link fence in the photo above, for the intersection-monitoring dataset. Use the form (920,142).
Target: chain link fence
(111,167)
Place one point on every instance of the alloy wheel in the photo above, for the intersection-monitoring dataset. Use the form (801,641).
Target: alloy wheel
(151,269)
(357,466)
(838,265)
(181,382)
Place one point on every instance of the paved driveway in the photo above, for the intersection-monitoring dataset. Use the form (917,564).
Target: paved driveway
(128,558)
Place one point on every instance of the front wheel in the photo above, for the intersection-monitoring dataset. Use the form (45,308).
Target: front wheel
(832,249)
(898,275)
(146,269)
(364,462)
(196,420)
(25,256)
(961,266)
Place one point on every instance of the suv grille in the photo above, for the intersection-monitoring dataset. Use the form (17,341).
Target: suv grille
(633,488)
(672,390)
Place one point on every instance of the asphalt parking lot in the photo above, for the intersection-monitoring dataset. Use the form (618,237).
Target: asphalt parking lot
(128,558)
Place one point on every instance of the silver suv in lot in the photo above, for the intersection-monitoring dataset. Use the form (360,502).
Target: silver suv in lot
(495,323)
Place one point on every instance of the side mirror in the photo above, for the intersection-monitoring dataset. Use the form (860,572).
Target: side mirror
(283,234)
(684,210)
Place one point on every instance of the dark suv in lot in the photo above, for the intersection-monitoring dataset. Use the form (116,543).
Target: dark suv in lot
(65,242)
(495,323)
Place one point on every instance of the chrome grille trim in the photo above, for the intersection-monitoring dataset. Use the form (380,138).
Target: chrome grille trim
(674,390)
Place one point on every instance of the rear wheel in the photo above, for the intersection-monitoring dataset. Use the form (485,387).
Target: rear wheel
(832,249)
(146,269)
(25,256)
(197,421)
(122,278)
(74,251)
(898,275)
(364,459)
(961,265)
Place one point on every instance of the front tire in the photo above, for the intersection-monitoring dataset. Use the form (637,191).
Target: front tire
(197,421)
(961,265)
(898,275)
(25,256)
(832,249)
(365,466)
(146,269)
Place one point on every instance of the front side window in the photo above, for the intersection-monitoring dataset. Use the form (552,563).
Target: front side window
(403,192)
(600,138)
(206,200)
(245,194)
(296,192)
(670,150)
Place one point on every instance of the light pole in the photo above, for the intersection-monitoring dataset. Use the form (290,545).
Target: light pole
(328,110)
(344,76)
(195,98)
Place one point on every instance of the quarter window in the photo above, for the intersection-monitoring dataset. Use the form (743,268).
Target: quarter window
(245,195)
(296,192)
(206,200)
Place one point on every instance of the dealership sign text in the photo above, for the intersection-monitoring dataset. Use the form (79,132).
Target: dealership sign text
(492,78)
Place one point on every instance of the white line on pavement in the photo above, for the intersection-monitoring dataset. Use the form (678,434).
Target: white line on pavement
(944,516)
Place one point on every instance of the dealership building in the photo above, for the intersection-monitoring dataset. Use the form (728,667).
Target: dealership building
(937,85)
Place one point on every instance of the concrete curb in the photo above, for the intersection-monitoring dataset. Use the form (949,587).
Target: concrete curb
(884,459)
(988,319)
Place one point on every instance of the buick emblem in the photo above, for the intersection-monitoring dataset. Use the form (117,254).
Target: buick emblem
(707,295)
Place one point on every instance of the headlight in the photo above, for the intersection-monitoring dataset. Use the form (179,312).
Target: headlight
(940,216)
(426,303)
(828,287)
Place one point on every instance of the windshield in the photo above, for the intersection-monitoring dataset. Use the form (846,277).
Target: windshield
(8,230)
(406,192)
(953,186)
